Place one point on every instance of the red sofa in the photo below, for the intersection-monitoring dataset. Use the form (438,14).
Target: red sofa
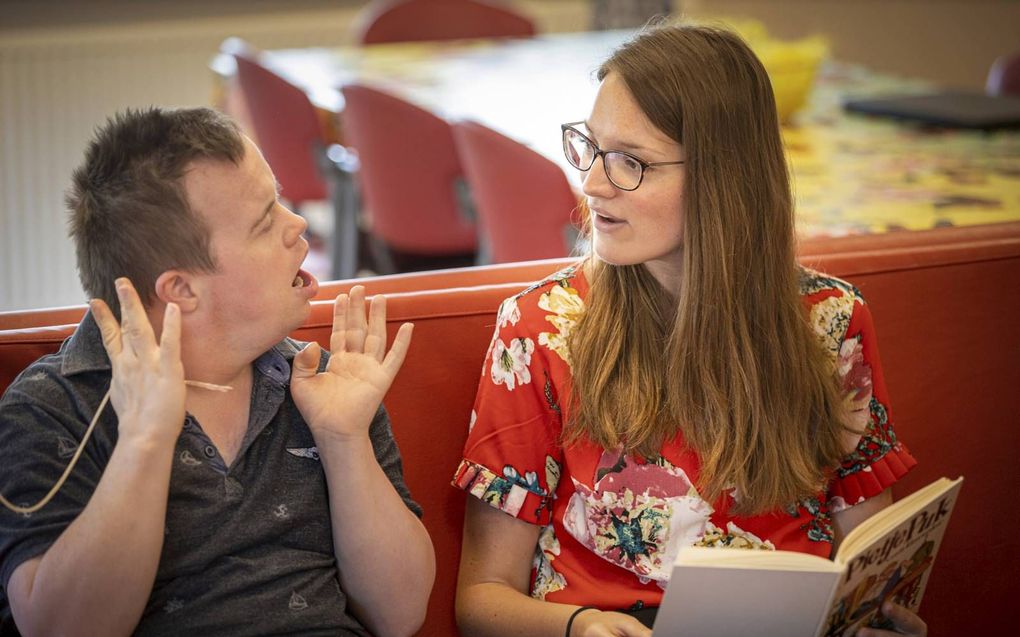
(946,305)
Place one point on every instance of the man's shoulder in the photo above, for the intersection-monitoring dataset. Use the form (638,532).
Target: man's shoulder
(45,380)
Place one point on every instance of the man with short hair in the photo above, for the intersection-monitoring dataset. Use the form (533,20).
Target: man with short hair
(275,506)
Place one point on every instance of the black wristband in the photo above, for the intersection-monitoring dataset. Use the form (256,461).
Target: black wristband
(570,622)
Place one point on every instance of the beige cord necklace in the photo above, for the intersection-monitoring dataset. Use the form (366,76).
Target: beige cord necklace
(81,447)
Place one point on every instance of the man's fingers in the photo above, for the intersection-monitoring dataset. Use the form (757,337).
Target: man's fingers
(134,324)
(338,338)
(356,325)
(375,343)
(401,343)
(108,327)
(306,363)
(170,339)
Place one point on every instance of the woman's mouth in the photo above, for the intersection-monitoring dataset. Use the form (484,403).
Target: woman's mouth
(605,223)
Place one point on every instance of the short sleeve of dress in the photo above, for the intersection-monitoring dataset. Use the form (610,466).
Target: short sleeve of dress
(879,459)
(512,456)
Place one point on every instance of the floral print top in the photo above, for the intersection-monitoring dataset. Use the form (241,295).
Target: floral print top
(611,524)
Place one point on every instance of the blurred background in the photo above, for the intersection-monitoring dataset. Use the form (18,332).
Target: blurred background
(66,65)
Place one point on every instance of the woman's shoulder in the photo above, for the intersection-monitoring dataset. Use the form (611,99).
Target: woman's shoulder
(560,292)
(817,286)
(832,306)
(570,277)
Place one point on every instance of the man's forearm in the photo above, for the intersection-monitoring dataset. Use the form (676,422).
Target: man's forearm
(381,546)
(98,575)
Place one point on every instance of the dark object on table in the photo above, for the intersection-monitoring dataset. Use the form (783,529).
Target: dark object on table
(947,108)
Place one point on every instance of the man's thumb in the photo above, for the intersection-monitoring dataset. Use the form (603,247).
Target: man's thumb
(306,363)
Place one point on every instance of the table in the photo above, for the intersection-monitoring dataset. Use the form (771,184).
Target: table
(852,174)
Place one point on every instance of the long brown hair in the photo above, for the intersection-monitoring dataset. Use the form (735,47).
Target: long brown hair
(731,362)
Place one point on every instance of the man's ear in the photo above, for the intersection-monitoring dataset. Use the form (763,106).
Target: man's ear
(175,286)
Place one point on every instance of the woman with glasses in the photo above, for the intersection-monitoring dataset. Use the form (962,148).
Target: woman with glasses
(685,383)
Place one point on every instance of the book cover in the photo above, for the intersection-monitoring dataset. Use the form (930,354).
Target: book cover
(723,591)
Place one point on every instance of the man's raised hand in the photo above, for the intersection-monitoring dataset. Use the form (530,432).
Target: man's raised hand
(147,389)
(342,400)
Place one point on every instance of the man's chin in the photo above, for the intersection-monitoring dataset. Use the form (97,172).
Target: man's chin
(301,317)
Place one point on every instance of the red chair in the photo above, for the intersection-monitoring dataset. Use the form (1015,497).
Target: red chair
(412,186)
(526,207)
(418,20)
(291,139)
(1004,76)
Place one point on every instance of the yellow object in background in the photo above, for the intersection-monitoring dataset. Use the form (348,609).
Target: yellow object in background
(791,65)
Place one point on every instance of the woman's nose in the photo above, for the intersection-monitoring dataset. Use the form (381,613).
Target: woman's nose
(596,182)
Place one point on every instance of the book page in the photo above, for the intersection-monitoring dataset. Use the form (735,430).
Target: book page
(707,601)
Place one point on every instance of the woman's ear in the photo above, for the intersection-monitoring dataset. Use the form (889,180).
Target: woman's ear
(175,286)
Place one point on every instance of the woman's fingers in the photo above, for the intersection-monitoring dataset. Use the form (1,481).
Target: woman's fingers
(907,622)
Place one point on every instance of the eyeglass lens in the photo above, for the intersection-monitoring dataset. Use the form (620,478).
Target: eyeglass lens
(624,171)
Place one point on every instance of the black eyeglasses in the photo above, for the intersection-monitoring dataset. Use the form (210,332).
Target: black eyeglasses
(625,171)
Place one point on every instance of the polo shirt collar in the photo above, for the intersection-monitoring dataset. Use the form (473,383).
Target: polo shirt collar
(84,352)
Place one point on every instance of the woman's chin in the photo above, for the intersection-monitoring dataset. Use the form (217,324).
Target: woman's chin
(612,257)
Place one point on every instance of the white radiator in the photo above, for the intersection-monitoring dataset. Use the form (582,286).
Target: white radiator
(57,85)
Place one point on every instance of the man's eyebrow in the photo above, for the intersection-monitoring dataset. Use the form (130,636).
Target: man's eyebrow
(262,217)
(269,207)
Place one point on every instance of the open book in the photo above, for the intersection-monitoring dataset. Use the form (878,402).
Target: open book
(719,591)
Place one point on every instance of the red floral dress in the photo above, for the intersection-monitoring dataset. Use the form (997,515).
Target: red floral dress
(611,524)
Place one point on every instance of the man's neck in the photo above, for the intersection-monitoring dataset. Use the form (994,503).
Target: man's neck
(213,355)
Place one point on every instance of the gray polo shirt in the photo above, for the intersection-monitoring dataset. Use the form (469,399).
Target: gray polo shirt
(248,548)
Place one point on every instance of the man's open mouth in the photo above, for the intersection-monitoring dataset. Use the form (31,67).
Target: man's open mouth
(301,279)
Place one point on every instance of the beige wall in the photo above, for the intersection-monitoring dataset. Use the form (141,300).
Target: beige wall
(952,42)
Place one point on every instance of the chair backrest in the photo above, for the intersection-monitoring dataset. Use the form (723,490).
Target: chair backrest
(526,207)
(287,129)
(409,174)
(418,20)
(1004,76)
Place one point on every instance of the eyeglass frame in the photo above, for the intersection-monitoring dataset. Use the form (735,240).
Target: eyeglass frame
(645,165)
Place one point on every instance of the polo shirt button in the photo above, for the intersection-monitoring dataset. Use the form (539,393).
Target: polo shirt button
(209,451)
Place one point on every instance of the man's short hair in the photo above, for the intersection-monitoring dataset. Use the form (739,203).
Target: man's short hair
(129,213)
